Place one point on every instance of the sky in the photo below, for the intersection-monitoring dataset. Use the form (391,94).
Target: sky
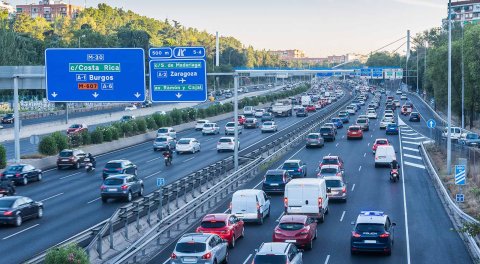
(318,27)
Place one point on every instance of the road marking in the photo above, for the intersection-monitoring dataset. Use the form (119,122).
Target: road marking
(68,176)
(360,168)
(365,154)
(353,187)
(326,261)
(93,200)
(19,232)
(412,149)
(412,156)
(278,219)
(214,148)
(153,159)
(341,218)
(336,145)
(371,135)
(153,174)
(404,199)
(414,165)
(411,142)
(248,258)
(368,144)
(343,136)
(410,134)
(53,196)
(414,138)
(188,159)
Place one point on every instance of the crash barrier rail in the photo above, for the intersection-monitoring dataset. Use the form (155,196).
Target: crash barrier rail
(190,186)
(152,242)
(459,216)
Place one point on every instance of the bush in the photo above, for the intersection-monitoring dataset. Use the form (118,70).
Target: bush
(159,120)
(75,140)
(126,128)
(168,120)
(151,124)
(134,126)
(86,139)
(61,140)
(69,254)
(97,136)
(176,116)
(192,114)
(3,157)
(141,125)
(115,134)
(107,134)
(48,146)
(201,113)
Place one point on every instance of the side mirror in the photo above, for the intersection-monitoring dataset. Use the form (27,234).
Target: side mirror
(329,190)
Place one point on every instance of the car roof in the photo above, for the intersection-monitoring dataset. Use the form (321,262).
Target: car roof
(19,164)
(247,192)
(187,139)
(10,198)
(277,171)
(381,139)
(292,160)
(331,166)
(119,176)
(273,247)
(216,217)
(352,126)
(195,237)
(330,157)
(293,219)
(371,217)
(337,178)
(317,134)
(232,138)
(117,161)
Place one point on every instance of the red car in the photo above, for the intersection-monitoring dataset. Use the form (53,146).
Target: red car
(354,132)
(77,128)
(332,160)
(227,226)
(311,108)
(241,119)
(380,142)
(300,230)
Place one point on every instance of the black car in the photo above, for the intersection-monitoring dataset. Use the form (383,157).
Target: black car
(22,173)
(414,117)
(301,112)
(15,209)
(115,167)
(373,232)
(147,103)
(8,119)
(328,133)
(251,123)
(275,181)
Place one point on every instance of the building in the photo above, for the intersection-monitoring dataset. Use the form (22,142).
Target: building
(50,9)
(288,54)
(468,11)
(7,6)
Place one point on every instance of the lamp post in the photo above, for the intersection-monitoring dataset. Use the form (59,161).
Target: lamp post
(449,107)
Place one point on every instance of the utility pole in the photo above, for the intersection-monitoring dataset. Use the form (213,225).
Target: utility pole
(449,113)
(217,59)
(408,56)
(463,81)
(417,67)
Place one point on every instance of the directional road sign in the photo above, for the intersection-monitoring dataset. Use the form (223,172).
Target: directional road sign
(178,74)
(324,74)
(431,123)
(460,174)
(377,73)
(366,73)
(95,75)
(160,182)
(460,198)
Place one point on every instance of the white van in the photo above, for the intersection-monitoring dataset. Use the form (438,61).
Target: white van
(250,205)
(384,155)
(455,133)
(306,196)
(248,111)
(167,131)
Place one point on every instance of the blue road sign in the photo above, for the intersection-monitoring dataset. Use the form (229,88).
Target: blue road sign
(460,174)
(160,53)
(377,73)
(95,75)
(160,182)
(460,198)
(431,123)
(366,73)
(324,74)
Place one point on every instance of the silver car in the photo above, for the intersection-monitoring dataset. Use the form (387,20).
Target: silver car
(200,248)
(121,186)
(336,188)
(278,252)
(269,126)
(230,128)
(315,140)
(161,143)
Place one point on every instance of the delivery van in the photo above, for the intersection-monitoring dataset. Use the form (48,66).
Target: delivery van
(384,155)
(250,205)
(306,196)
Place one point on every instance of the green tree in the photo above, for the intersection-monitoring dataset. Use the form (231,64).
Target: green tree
(71,253)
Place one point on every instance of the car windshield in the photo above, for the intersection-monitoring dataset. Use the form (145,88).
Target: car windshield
(291,226)
(75,126)
(9,115)
(14,168)
(312,136)
(65,154)
(328,170)
(163,130)
(472,136)
(274,177)
(6,203)
(161,139)
(268,124)
(334,183)
(208,125)
(270,259)
(184,141)
(213,224)
(113,181)
(370,228)
(225,140)
(353,128)
(113,165)
(190,247)
(290,165)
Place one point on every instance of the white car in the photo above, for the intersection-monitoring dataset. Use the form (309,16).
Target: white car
(259,112)
(388,111)
(389,117)
(187,145)
(230,128)
(248,110)
(399,91)
(372,114)
(167,131)
(131,107)
(455,133)
(403,97)
(226,143)
(210,129)
(397,103)
(200,123)
(269,126)
(351,109)
(385,122)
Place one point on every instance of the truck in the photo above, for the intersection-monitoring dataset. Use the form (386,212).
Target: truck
(282,108)
(306,100)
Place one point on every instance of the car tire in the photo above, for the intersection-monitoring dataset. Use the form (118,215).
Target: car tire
(59,167)
(18,221)
(104,199)
(218,151)
(25,180)
(77,165)
(225,261)
(243,232)
(140,193)
(268,213)
(129,197)
(260,221)
(315,237)
(232,244)
(322,219)
(39,176)
(40,212)
(309,246)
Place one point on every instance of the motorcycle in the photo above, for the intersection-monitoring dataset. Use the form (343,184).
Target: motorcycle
(88,165)
(168,158)
(6,191)
(394,176)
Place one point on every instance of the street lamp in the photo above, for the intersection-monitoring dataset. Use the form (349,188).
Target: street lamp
(449,112)
(82,36)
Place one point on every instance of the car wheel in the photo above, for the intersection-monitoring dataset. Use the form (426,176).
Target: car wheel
(129,197)
(135,172)
(39,177)
(243,232)
(310,244)
(104,199)
(315,237)
(140,193)
(232,244)
(322,219)
(25,180)
(40,212)
(77,165)
(268,213)
(260,221)
(225,261)
(59,167)
(18,221)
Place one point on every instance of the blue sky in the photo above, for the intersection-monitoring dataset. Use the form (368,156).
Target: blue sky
(319,27)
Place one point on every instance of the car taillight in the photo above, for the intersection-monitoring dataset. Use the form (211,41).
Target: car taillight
(173,256)
(230,143)
(320,201)
(304,231)
(119,169)
(230,207)
(103,187)
(344,190)
(124,187)
(71,158)
(285,201)
(258,206)
(207,255)
(385,235)
(18,175)
(299,170)
(355,234)
(7,213)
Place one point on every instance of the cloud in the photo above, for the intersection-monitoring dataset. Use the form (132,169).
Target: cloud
(427,3)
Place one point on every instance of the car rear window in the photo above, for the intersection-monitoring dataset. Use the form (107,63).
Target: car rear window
(184,141)
(190,247)
(208,125)
(213,224)
(230,124)
(313,136)
(227,140)
(381,142)
(65,154)
(290,165)
(353,128)
(328,170)
(161,140)
(370,228)
(14,168)
(268,124)
(333,183)
(329,161)
(291,226)
(362,121)
(7,203)
(75,126)
(472,136)
(270,259)
(163,130)
(274,177)
(114,181)
(113,165)
(325,130)
(249,121)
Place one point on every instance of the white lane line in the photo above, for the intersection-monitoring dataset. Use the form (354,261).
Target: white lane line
(371,135)
(411,142)
(353,187)
(278,219)
(96,199)
(247,259)
(68,176)
(368,144)
(336,145)
(53,196)
(214,149)
(329,154)
(153,159)
(406,129)
(326,261)
(153,174)
(412,156)
(414,165)
(343,136)
(404,199)
(413,138)
(343,215)
(19,232)
(360,168)
(188,159)
(365,154)
(166,261)
(410,134)
(411,149)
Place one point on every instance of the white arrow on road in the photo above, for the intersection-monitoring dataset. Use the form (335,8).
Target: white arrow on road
(95,94)
(178,95)
(54,94)
(137,94)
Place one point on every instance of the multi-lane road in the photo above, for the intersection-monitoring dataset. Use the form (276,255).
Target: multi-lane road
(71,197)
(423,233)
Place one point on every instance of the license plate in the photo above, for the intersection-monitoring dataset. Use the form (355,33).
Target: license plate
(64,159)
(325,134)
(112,190)
(189,259)
(274,184)
(291,241)
(370,241)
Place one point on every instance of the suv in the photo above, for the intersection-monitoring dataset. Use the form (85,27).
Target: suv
(328,133)
(278,252)
(200,248)
(314,140)
(296,168)
(275,181)
(121,186)
(373,232)
(363,123)
(115,167)
(160,143)
(72,158)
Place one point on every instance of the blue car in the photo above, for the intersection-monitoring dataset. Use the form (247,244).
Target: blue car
(337,121)
(392,129)
(295,168)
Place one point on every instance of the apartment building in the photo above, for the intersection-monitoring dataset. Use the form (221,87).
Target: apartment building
(50,9)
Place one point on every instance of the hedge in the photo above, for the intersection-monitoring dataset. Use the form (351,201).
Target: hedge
(3,157)
(61,140)
(48,146)
(69,254)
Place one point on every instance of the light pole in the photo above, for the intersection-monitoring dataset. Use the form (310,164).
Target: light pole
(463,81)
(449,107)
(417,68)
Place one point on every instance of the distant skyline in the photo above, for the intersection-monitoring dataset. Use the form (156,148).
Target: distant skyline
(318,27)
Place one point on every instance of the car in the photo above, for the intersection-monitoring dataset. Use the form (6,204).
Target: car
(372,114)
(278,252)
(330,170)
(147,103)
(301,112)
(373,105)
(315,140)
(414,117)
(351,109)
(21,173)
(391,129)
(336,188)
(76,128)
(248,110)
(296,168)
(14,210)
(399,92)
(300,230)
(187,145)
(226,226)
(121,186)
(228,94)
(267,117)
(373,231)
(227,143)
(390,106)
(406,109)
(384,155)
(311,108)
(250,205)
(115,167)
(328,133)
(337,121)
(385,122)
(161,143)
(127,118)
(130,107)
(470,139)
(72,158)
(251,123)
(396,103)
(379,142)
(307,196)
(210,129)
(354,132)
(259,113)
(230,128)
(241,119)
(269,126)
(332,125)
(200,123)
(403,97)
(202,248)
(275,181)
(8,119)
(455,133)
(167,131)
(363,123)
(389,116)
(344,116)
(332,160)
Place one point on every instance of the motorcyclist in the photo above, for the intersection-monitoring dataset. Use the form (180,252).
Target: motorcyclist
(7,185)
(92,160)
(394,165)
(169,152)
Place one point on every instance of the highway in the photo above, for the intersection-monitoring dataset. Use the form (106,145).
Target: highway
(423,232)
(72,201)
